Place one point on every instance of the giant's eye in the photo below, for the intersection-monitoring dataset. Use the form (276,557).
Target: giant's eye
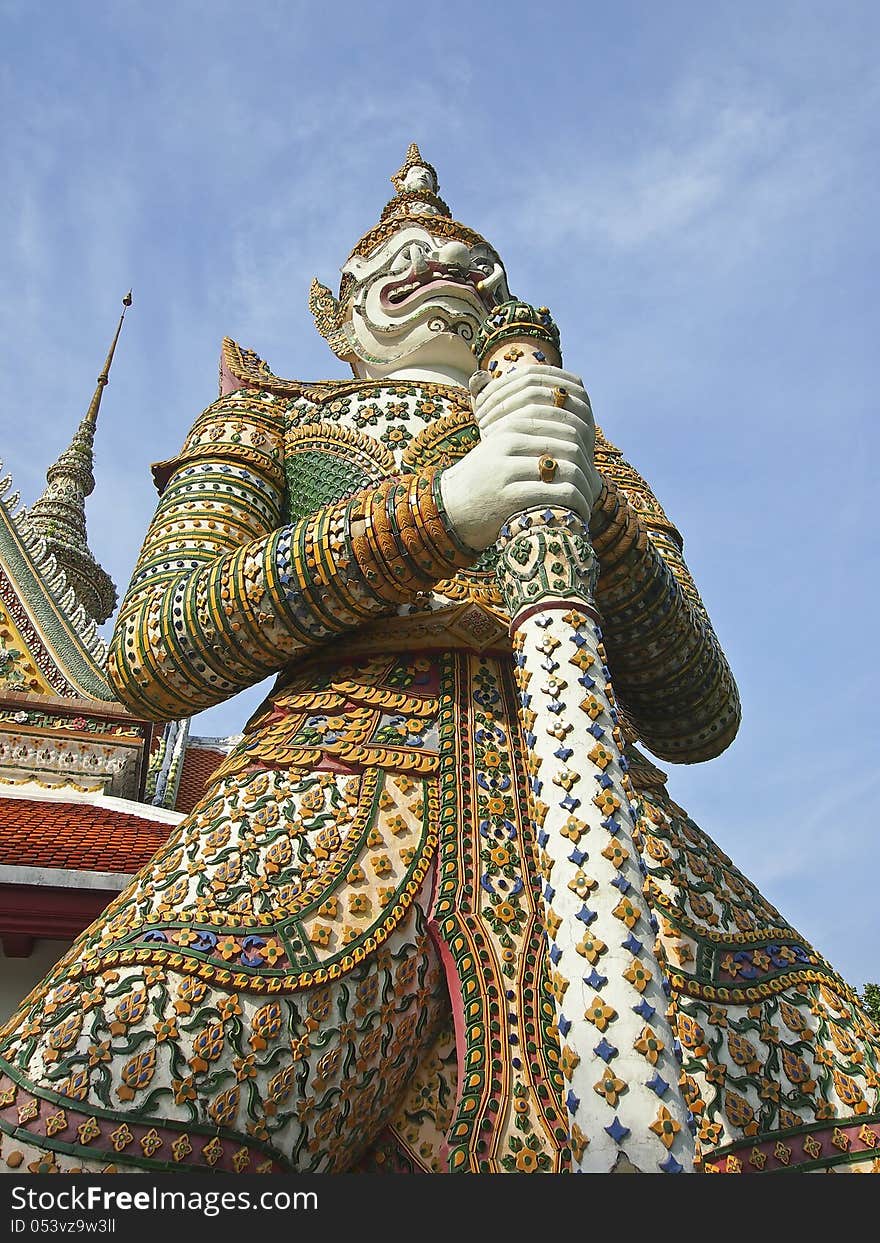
(413,255)
(401,261)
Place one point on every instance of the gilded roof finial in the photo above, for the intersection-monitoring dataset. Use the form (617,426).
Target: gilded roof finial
(104,377)
(59,516)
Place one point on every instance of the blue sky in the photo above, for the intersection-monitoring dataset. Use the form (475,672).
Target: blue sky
(691,188)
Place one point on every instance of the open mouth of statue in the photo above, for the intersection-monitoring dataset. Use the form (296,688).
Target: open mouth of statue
(436,276)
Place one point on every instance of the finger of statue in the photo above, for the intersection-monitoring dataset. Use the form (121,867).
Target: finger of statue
(487,409)
(525,445)
(534,391)
(566,476)
(540,422)
(542,371)
(519,463)
(570,489)
(520,388)
(576,412)
(539,472)
(518,382)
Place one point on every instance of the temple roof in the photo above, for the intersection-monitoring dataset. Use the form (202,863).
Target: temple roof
(51,644)
(80,836)
(200,759)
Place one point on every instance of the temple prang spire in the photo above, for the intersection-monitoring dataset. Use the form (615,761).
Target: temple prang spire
(91,416)
(59,515)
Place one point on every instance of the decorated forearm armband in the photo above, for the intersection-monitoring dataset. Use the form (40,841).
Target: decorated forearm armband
(669,669)
(188,640)
(379,549)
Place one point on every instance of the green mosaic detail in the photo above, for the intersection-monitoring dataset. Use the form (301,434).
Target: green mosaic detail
(487,561)
(315,479)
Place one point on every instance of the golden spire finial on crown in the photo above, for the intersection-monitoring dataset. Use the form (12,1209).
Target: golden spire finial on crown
(413,160)
(416,202)
(416,185)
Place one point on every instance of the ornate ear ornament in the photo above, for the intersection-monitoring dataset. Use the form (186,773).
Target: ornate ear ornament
(327,315)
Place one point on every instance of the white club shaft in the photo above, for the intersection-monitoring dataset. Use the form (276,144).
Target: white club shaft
(617,1049)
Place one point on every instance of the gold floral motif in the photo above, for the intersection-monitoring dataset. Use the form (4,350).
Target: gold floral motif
(121,1137)
(56,1122)
(28,1111)
(241,1160)
(591,947)
(600,1014)
(665,1127)
(87,1131)
(649,1045)
(638,975)
(610,1087)
(579,1142)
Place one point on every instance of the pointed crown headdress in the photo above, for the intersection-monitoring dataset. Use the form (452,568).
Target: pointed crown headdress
(415,201)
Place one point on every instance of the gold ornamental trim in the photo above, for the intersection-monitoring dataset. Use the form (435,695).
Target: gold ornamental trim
(324,437)
(290,982)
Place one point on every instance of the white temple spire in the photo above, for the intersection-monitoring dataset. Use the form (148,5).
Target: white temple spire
(59,516)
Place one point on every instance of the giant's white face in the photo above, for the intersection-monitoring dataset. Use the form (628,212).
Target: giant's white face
(416,298)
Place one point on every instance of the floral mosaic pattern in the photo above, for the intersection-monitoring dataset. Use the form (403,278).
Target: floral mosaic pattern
(772,1041)
(268,994)
(206,997)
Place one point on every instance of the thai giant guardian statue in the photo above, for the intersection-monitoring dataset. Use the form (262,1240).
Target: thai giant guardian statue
(359,952)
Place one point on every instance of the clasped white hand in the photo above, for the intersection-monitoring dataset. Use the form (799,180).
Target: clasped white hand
(519,425)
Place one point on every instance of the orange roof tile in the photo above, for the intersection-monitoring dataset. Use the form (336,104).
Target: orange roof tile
(49,834)
(198,765)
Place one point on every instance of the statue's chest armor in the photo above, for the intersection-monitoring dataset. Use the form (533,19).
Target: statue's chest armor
(336,447)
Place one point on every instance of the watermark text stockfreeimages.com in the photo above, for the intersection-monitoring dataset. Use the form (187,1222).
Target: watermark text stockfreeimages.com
(95,1199)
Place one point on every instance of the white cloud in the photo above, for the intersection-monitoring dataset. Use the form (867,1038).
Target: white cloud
(713,170)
